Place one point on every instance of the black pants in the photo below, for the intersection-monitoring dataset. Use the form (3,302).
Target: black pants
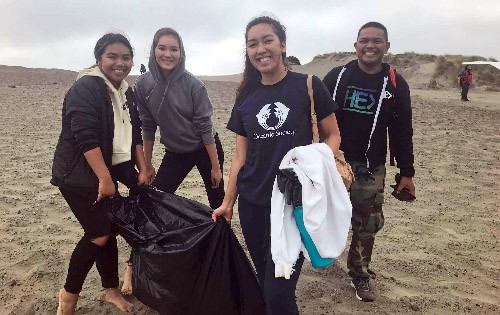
(279,293)
(465,91)
(176,166)
(95,223)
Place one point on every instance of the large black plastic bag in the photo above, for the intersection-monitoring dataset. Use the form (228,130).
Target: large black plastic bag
(183,262)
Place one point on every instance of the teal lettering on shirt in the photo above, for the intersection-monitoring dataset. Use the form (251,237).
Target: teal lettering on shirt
(360,100)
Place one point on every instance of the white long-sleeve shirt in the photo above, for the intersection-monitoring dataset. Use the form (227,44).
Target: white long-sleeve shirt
(326,207)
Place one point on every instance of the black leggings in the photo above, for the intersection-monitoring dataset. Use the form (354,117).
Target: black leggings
(279,293)
(176,166)
(95,223)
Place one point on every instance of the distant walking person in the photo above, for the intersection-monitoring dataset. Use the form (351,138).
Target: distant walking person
(100,144)
(373,99)
(465,80)
(143,68)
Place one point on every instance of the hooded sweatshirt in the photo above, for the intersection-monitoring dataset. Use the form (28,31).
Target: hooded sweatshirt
(122,140)
(180,106)
(370,107)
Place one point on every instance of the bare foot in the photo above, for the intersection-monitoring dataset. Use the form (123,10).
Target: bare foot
(67,303)
(127,281)
(115,297)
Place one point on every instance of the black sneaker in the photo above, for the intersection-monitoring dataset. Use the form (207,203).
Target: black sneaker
(363,290)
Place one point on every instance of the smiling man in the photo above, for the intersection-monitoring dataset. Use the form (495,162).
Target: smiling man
(372,100)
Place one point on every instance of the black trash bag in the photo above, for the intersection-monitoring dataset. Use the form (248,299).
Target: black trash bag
(183,262)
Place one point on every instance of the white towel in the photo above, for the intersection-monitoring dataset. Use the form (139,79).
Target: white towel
(326,207)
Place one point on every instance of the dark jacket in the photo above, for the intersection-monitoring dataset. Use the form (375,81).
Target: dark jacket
(465,76)
(395,118)
(88,123)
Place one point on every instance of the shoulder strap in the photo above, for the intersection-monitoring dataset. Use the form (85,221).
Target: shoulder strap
(392,78)
(314,119)
(392,75)
(392,151)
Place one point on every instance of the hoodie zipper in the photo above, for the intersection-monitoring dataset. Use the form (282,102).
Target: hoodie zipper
(375,119)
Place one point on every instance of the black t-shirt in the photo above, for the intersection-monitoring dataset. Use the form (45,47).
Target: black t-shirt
(359,107)
(357,95)
(275,119)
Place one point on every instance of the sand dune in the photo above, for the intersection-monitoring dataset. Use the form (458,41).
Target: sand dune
(438,255)
(420,70)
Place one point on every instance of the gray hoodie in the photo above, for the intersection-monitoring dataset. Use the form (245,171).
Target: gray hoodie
(180,106)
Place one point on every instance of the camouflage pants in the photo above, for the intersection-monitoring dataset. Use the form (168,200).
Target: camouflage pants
(367,197)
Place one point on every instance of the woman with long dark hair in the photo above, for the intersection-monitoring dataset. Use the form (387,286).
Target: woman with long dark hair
(271,116)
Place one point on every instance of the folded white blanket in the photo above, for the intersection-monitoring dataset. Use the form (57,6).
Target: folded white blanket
(326,207)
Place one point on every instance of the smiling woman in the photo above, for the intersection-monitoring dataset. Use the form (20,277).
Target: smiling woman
(271,116)
(267,53)
(115,63)
(171,98)
(99,145)
(167,54)
(115,60)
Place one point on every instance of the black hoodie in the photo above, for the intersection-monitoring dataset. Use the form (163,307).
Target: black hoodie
(364,132)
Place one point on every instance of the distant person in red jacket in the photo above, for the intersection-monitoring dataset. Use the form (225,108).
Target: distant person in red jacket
(465,80)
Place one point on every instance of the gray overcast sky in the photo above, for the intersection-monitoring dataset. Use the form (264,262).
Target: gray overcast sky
(62,33)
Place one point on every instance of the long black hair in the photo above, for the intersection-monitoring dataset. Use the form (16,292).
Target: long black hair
(251,76)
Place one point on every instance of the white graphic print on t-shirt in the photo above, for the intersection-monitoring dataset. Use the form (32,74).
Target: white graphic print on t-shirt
(271,117)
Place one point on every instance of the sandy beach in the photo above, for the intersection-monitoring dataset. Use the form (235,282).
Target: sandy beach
(437,255)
